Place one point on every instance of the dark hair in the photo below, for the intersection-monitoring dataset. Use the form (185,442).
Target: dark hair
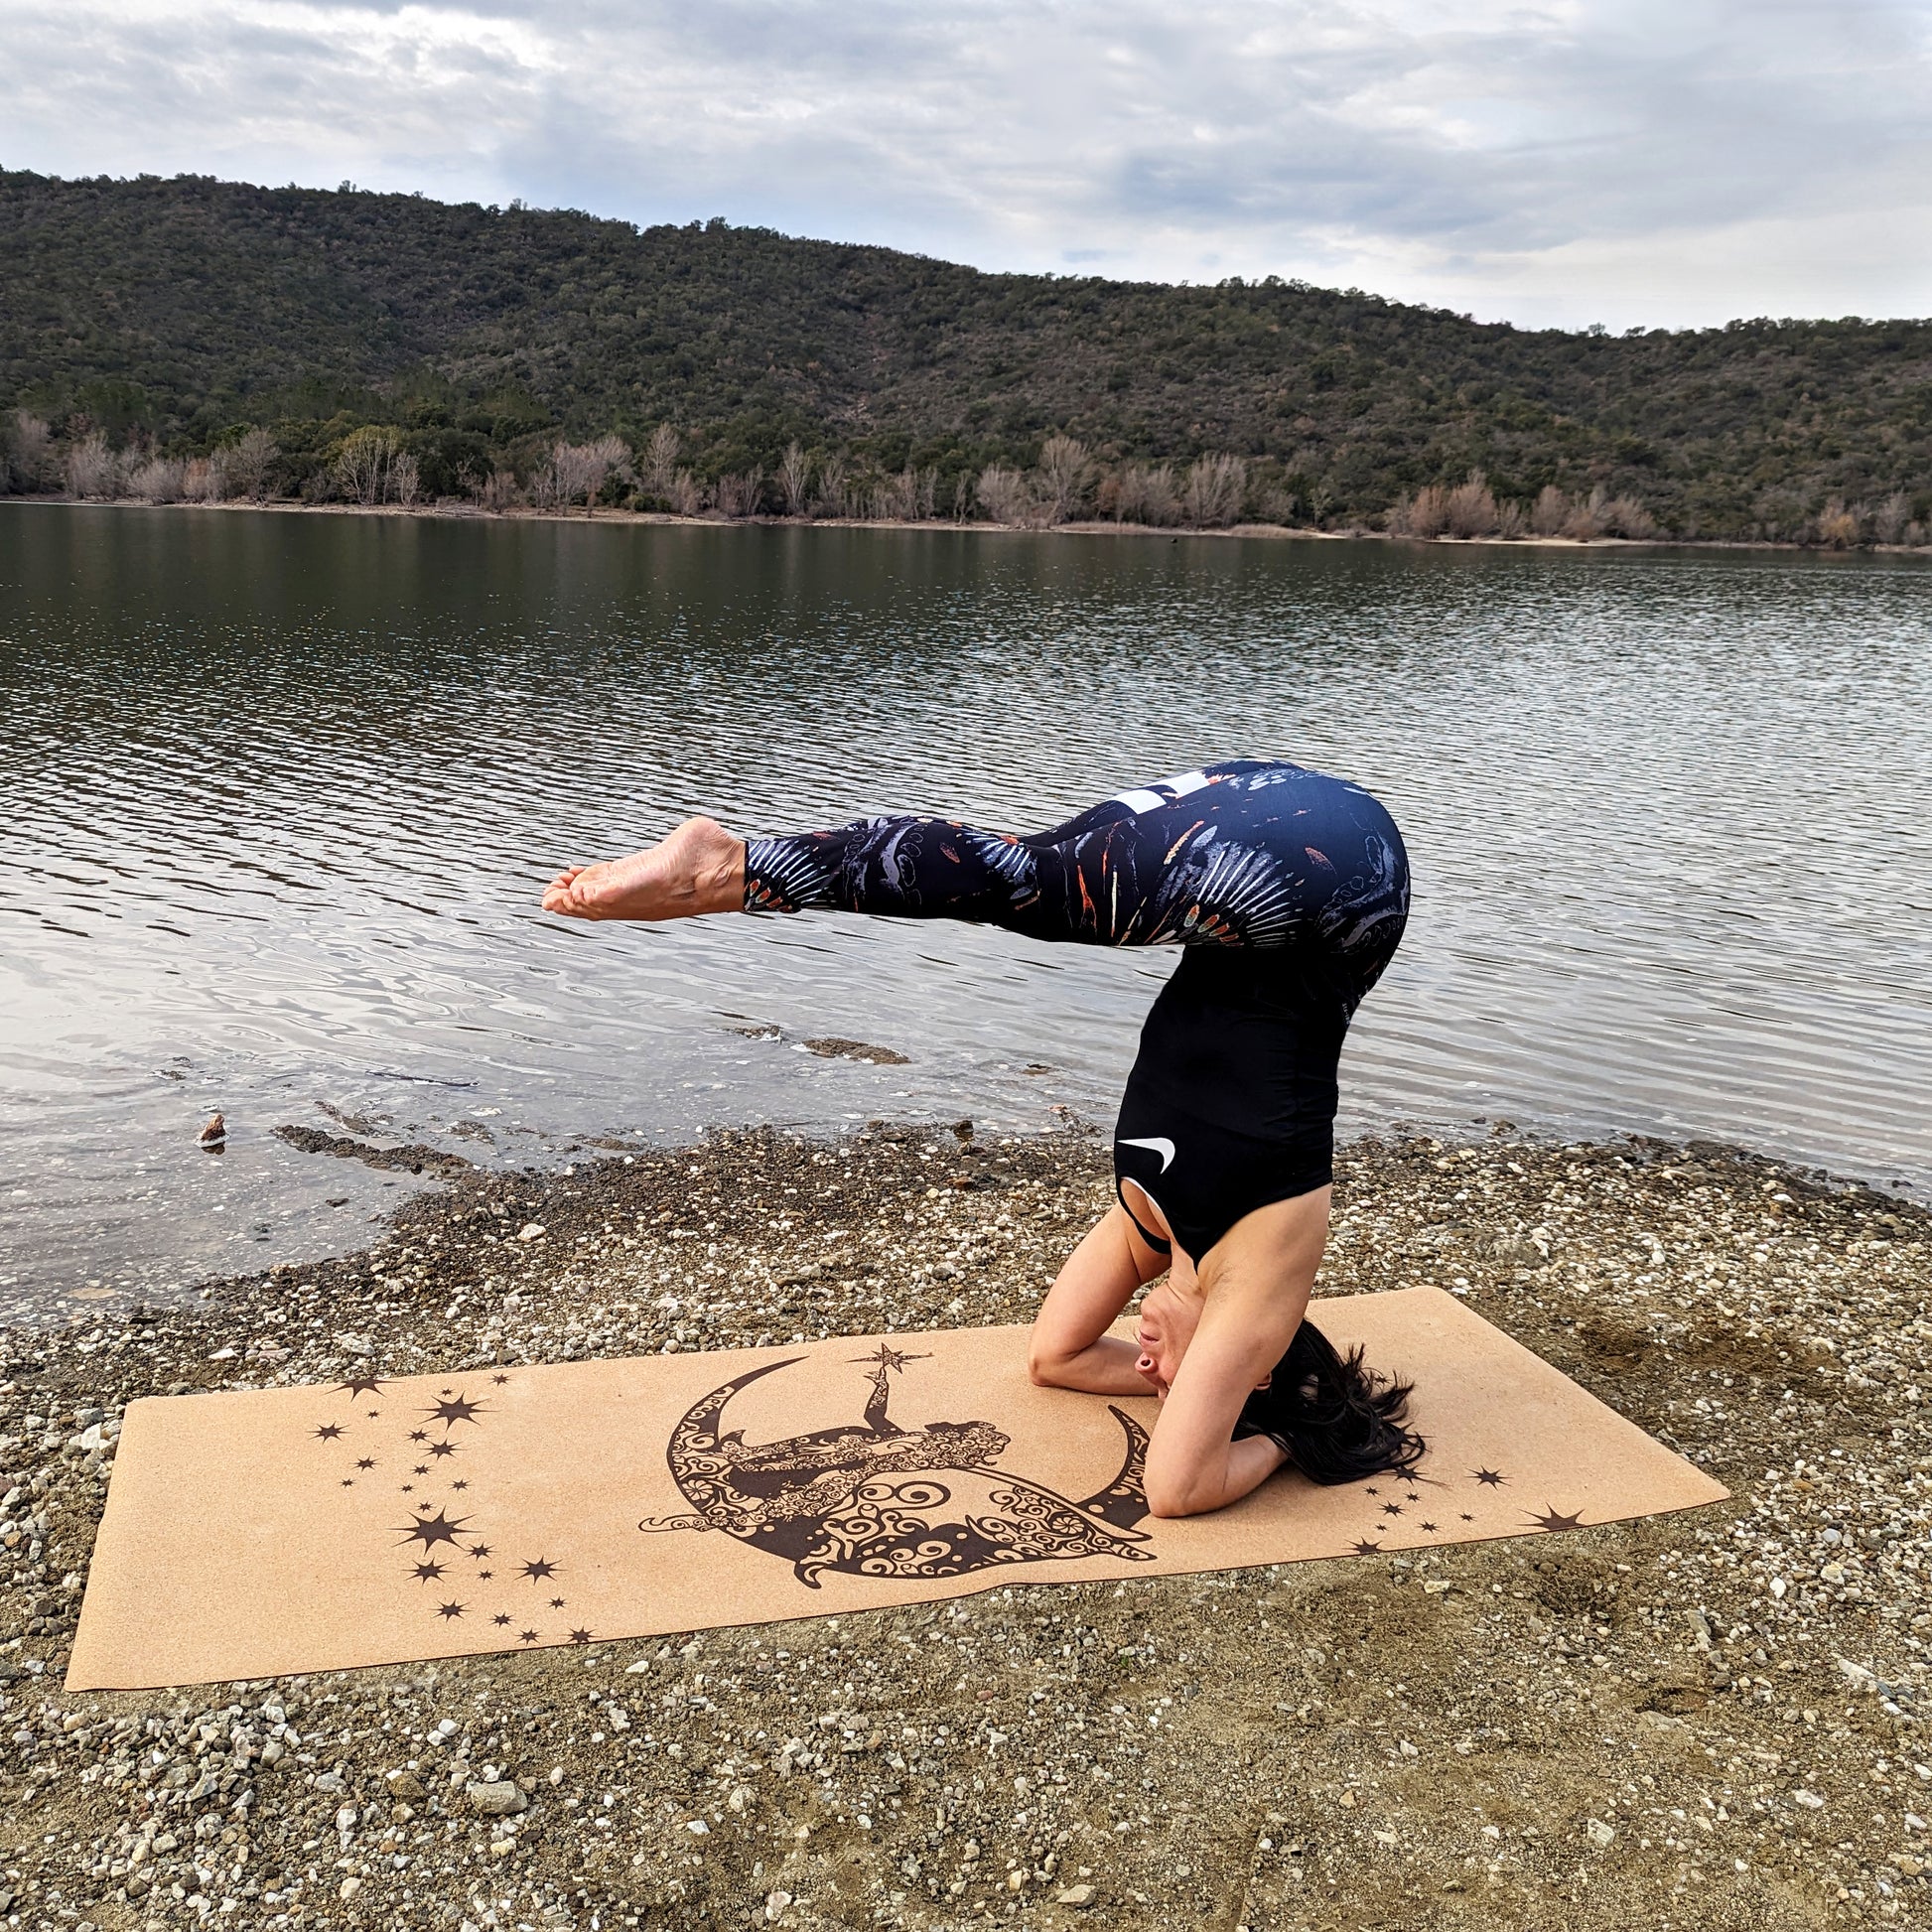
(1336,1418)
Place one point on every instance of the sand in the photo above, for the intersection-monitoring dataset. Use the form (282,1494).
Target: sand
(1709,1720)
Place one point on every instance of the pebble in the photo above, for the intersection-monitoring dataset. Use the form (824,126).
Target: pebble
(1734,1695)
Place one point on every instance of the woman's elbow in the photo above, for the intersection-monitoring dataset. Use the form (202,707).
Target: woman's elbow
(1171,1496)
(1045,1366)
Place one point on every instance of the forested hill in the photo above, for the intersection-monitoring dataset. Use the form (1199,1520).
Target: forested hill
(176,311)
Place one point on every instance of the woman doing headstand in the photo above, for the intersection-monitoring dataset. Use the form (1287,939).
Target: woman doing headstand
(1288,891)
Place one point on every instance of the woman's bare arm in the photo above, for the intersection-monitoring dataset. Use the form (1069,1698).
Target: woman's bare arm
(1070,1347)
(1255,1286)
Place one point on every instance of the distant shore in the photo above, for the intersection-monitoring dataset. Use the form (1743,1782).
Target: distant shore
(1093,528)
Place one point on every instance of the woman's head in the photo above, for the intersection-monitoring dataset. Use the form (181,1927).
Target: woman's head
(1164,1325)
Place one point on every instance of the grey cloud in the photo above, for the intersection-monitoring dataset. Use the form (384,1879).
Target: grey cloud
(1443,152)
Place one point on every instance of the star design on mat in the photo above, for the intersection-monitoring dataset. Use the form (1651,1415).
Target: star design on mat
(427,1573)
(421,1469)
(500,1380)
(1488,1478)
(441,1449)
(480,1549)
(1391,1509)
(1371,1492)
(419,1435)
(556,1602)
(1365,1548)
(348,1483)
(328,1431)
(580,1636)
(1467,1517)
(1429,1527)
(432,1530)
(366,1462)
(407,1487)
(374,1414)
(486,1575)
(1551,1521)
(448,1611)
(360,1385)
(541,1568)
(500,1618)
(526,1636)
(459,1485)
(886,1356)
(454,1409)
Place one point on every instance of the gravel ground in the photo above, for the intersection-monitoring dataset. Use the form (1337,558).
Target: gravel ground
(1707,1721)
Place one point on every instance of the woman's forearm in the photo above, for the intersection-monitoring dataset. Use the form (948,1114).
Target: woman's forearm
(1103,1367)
(1215,1482)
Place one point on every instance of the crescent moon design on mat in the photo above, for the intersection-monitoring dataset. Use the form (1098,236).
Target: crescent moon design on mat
(868,1498)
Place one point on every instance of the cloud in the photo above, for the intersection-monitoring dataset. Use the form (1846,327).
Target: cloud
(1559,160)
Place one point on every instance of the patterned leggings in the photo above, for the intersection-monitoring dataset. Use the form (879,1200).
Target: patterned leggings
(1242,854)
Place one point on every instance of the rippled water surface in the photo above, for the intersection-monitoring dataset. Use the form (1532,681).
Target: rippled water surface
(280,791)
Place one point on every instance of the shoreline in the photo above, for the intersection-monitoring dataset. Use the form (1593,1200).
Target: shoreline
(1265,532)
(1678,1721)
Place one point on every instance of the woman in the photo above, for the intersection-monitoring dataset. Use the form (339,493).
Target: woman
(1288,891)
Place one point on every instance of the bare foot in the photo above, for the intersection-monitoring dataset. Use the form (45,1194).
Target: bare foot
(700,868)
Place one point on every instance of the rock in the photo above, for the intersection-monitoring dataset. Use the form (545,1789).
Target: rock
(855,1049)
(498,1799)
(1074,1895)
(1600,1835)
(405,1785)
(775,1903)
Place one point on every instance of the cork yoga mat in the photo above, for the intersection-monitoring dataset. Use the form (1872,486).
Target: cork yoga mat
(259,1533)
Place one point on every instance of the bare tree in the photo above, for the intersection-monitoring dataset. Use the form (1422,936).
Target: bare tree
(1585,521)
(1469,509)
(834,488)
(1004,495)
(658,475)
(1212,490)
(1145,493)
(1891,518)
(689,498)
(1551,512)
(200,481)
(497,492)
(962,497)
(93,469)
(156,479)
(1837,527)
(246,465)
(795,479)
(361,467)
(737,494)
(405,480)
(1062,477)
(906,498)
(27,438)
(1624,516)
(577,472)
(1425,514)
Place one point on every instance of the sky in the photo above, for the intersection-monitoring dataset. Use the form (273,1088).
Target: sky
(1653,163)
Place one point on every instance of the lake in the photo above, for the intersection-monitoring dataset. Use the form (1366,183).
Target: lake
(281,791)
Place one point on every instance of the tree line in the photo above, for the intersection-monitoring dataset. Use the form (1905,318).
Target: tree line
(173,317)
(374,466)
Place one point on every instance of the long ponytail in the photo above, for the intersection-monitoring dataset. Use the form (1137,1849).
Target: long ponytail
(1335,1417)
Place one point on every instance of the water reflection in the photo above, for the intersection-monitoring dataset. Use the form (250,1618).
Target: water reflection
(282,788)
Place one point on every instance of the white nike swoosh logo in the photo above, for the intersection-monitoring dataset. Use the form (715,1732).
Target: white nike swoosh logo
(1163,1147)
